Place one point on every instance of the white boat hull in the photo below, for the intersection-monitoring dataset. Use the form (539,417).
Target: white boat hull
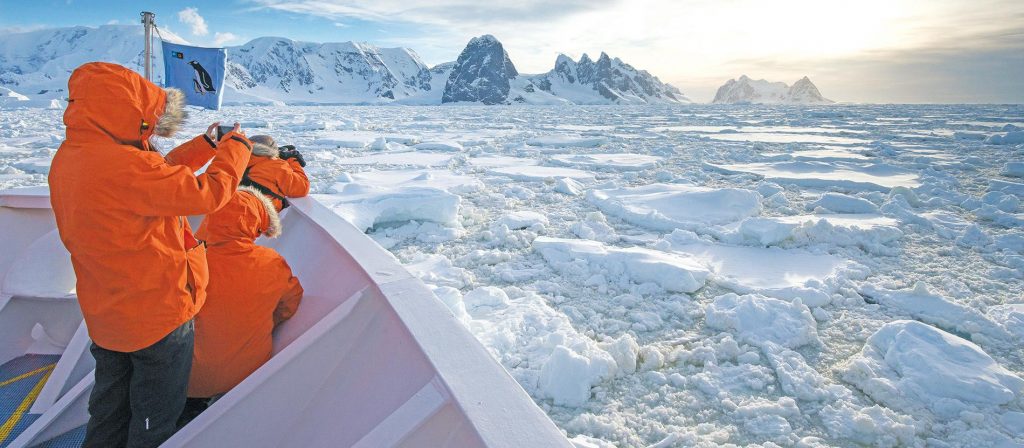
(371,358)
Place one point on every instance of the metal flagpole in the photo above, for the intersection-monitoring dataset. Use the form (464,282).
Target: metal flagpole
(148,24)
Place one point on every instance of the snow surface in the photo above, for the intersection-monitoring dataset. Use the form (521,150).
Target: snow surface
(669,206)
(673,290)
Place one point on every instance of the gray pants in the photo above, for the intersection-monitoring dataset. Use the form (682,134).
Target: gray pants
(139,395)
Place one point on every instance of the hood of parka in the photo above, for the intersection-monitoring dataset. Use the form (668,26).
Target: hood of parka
(246,216)
(110,103)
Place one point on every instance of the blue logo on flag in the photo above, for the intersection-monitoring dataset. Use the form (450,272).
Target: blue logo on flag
(198,72)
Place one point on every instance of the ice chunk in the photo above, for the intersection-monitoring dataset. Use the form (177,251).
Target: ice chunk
(345,139)
(908,363)
(35,165)
(542,350)
(1009,138)
(485,296)
(1006,186)
(404,158)
(367,206)
(797,378)
(625,352)
(841,203)
(501,161)
(619,162)
(542,173)
(849,176)
(871,232)
(1010,317)
(438,270)
(566,141)
(522,219)
(669,206)
(782,273)
(566,377)
(922,304)
(442,179)
(568,186)
(452,298)
(1013,169)
(440,145)
(756,319)
(595,227)
(672,272)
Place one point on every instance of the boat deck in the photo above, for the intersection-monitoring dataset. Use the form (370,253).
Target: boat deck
(21,379)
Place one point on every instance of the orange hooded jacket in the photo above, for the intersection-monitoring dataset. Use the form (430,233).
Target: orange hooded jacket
(120,205)
(251,290)
(283,177)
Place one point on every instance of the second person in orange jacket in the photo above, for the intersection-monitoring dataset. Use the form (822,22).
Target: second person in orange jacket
(278,177)
(251,290)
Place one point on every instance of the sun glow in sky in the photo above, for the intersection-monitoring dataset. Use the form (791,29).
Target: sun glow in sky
(860,51)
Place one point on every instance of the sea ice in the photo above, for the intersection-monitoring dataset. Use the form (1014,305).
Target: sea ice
(841,203)
(847,176)
(780,137)
(782,273)
(619,162)
(667,207)
(366,205)
(907,364)
(402,158)
(542,173)
(870,232)
(672,272)
(439,145)
(1011,317)
(1009,138)
(1013,169)
(523,219)
(922,304)
(564,141)
(756,320)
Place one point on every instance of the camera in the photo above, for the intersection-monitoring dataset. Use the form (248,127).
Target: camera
(223,130)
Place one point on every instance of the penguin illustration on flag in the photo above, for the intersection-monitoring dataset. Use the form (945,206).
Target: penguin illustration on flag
(198,72)
(202,82)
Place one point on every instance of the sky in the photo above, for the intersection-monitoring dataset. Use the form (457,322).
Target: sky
(883,51)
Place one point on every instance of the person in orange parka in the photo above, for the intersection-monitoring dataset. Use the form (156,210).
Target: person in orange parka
(120,208)
(277,172)
(251,290)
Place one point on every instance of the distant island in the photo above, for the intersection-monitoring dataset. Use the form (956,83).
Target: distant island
(760,91)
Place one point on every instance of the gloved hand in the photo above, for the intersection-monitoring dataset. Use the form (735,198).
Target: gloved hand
(289,152)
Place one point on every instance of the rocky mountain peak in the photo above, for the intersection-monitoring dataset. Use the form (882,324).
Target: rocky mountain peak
(481,73)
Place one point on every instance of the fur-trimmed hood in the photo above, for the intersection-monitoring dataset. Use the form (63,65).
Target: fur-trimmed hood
(110,103)
(248,215)
(174,113)
(259,149)
(273,224)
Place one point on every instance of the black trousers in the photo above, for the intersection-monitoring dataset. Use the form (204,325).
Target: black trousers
(139,395)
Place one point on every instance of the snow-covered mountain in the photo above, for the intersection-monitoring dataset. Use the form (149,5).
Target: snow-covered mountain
(746,90)
(37,64)
(485,73)
(609,80)
(275,68)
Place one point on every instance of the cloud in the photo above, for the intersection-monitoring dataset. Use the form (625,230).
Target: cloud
(113,22)
(449,13)
(191,17)
(220,39)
